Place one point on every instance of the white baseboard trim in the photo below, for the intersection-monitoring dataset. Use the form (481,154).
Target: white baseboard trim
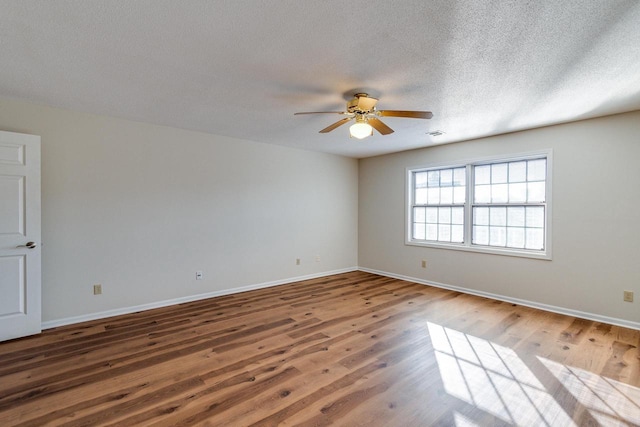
(532,304)
(127,310)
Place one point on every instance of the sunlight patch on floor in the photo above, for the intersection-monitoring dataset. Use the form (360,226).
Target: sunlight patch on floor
(494,379)
(463,421)
(608,401)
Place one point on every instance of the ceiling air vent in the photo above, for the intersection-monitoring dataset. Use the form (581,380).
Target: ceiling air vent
(435,133)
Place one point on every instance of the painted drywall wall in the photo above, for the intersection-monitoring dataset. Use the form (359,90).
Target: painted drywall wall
(140,208)
(596,205)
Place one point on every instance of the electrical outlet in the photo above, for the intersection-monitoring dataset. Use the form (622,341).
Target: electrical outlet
(297,261)
(198,275)
(628,296)
(97,289)
(424,263)
(317,258)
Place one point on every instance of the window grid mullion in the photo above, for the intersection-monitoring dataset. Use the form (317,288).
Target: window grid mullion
(468,216)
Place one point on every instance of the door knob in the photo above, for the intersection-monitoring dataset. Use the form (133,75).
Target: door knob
(29,245)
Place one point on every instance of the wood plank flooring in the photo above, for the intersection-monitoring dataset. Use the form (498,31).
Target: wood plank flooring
(353,349)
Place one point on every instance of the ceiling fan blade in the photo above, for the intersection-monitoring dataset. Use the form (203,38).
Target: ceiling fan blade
(379,126)
(366,103)
(320,112)
(408,114)
(335,125)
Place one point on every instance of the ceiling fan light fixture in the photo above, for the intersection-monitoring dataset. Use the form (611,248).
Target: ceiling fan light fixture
(360,129)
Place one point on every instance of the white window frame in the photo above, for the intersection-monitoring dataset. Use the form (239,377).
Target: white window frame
(468,226)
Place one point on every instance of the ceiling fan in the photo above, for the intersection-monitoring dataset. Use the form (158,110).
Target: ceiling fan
(362,108)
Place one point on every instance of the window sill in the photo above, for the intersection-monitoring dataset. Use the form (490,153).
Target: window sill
(546,255)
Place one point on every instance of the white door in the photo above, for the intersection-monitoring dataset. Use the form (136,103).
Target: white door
(20,275)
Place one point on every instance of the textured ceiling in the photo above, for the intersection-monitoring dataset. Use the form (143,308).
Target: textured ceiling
(241,68)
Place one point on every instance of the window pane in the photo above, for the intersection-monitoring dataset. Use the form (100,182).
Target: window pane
(515,237)
(444,215)
(480,235)
(432,231)
(500,193)
(481,216)
(441,187)
(482,174)
(517,192)
(432,215)
(537,170)
(517,171)
(419,214)
(459,195)
(444,232)
(457,233)
(534,238)
(499,173)
(420,179)
(483,194)
(498,216)
(515,216)
(446,177)
(421,196)
(433,196)
(535,192)
(535,216)
(497,236)
(459,176)
(446,195)
(433,178)
(418,231)
(457,215)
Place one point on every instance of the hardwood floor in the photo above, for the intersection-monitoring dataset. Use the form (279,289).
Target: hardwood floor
(351,349)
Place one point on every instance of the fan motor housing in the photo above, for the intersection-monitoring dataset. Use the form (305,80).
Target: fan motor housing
(360,105)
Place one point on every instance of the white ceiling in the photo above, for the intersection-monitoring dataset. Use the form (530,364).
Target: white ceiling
(241,68)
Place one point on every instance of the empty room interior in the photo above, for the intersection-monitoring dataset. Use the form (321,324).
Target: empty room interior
(296,213)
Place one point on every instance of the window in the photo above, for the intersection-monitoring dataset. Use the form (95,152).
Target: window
(498,206)
(438,211)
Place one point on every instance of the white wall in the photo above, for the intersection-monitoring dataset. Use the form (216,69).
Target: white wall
(596,214)
(139,208)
